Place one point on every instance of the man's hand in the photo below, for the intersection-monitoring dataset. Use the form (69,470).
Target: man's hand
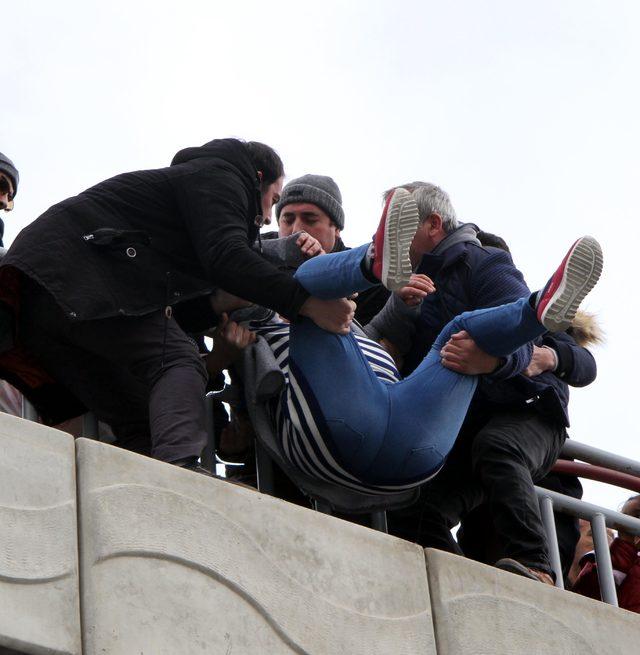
(229,340)
(331,315)
(461,354)
(309,246)
(419,286)
(542,360)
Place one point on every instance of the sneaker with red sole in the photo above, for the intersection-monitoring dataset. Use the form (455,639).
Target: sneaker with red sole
(391,242)
(558,302)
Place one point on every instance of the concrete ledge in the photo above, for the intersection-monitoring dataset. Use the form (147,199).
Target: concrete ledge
(479,609)
(174,562)
(39,610)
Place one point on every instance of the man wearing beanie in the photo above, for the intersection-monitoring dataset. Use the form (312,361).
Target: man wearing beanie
(313,204)
(8,188)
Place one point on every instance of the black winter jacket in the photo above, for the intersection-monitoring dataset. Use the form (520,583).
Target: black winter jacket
(147,239)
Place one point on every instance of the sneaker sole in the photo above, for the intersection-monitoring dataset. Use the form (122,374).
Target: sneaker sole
(581,273)
(400,227)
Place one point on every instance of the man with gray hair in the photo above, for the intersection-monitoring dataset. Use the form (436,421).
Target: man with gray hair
(515,427)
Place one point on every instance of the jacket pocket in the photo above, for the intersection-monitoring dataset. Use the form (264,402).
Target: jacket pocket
(124,244)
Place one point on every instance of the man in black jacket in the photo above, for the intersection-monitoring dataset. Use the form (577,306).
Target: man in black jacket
(516,424)
(97,279)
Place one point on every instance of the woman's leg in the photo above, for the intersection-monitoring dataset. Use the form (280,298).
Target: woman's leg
(335,398)
(428,408)
(341,274)
(336,275)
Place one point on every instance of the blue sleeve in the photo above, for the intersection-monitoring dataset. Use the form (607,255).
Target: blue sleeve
(495,282)
(576,365)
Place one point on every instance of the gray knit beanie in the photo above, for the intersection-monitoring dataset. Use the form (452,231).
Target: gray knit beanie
(318,190)
(7,167)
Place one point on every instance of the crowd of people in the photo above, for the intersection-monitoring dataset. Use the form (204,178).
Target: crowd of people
(421,359)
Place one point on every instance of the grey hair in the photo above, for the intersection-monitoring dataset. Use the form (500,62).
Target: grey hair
(431,199)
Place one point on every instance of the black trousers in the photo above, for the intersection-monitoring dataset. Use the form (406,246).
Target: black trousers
(496,459)
(142,375)
(479,541)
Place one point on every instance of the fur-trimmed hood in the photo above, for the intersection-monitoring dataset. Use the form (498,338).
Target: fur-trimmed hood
(586,330)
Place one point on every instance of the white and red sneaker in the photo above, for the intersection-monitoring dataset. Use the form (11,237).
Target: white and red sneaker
(558,302)
(391,242)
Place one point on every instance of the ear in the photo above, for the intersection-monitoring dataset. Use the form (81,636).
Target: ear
(260,176)
(434,221)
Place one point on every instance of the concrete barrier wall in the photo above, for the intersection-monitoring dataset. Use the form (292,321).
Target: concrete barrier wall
(39,611)
(174,562)
(479,609)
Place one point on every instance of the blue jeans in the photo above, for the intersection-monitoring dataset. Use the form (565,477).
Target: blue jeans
(392,434)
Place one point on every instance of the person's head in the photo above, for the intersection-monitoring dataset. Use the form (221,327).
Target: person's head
(271,173)
(437,215)
(9,179)
(631,507)
(312,204)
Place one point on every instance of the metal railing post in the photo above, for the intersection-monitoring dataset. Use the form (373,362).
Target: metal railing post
(264,470)
(29,411)
(548,520)
(603,560)
(90,428)
(208,456)
(379,521)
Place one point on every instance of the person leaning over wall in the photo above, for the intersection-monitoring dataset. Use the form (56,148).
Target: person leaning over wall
(98,277)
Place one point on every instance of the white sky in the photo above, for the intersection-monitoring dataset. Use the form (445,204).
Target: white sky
(527,113)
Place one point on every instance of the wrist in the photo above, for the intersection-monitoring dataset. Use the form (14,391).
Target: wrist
(551,358)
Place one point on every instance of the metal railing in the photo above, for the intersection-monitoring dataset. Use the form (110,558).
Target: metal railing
(603,467)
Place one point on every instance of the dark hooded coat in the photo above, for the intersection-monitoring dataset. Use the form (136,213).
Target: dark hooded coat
(144,240)
(140,242)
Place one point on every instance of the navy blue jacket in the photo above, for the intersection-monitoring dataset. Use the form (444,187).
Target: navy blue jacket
(469,276)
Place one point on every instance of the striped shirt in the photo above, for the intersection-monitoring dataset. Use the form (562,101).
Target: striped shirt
(297,422)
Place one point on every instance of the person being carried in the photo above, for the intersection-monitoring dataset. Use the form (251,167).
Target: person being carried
(344,415)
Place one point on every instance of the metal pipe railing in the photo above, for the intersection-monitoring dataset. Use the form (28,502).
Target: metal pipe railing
(598,473)
(576,450)
(600,518)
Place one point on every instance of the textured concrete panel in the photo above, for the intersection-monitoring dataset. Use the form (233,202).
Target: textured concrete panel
(175,562)
(479,610)
(39,602)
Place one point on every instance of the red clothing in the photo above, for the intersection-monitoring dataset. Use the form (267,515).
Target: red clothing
(625,559)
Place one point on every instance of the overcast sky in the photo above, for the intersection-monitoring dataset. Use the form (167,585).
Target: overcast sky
(527,113)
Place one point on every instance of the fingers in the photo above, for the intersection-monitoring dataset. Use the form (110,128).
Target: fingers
(422,282)
(458,336)
(309,246)
(453,364)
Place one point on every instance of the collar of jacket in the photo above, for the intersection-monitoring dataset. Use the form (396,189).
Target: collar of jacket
(450,250)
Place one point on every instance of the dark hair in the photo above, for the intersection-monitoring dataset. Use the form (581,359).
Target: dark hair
(267,160)
(492,240)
